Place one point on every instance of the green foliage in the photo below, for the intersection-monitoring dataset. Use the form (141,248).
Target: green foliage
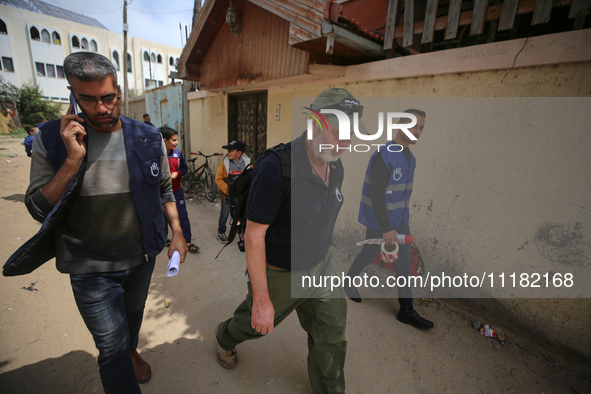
(8,92)
(32,107)
(19,133)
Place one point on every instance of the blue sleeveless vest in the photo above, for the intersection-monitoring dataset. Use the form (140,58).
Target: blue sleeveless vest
(398,190)
(143,148)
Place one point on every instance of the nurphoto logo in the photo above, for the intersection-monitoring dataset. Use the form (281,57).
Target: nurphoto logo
(344,126)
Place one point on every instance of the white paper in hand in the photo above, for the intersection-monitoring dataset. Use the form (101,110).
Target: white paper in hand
(173,264)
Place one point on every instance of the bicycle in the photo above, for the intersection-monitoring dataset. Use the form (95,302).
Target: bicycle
(193,177)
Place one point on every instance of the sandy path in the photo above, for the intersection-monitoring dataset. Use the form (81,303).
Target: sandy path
(45,347)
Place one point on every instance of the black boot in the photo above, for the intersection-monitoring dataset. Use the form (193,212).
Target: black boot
(413,319)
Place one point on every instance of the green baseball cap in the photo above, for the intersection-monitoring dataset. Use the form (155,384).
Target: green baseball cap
(339,99)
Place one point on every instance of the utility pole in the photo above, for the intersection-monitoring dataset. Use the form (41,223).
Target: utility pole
(125,87)
(196,11)
(150,64)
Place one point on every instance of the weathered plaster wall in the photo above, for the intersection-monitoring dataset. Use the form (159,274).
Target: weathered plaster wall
(137,108)
(209,125)
(512,198)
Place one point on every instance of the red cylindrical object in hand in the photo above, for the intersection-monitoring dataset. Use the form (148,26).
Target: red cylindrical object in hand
(404,239)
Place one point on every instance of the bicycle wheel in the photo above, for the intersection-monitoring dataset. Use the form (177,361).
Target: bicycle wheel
(188,181)
(209,185)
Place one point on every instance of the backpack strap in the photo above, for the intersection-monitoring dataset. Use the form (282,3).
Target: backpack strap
(238,225)
(284,155)
(285,158)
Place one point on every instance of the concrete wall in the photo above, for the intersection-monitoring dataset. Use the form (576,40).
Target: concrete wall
(512,198)
(137,108)
(208,124)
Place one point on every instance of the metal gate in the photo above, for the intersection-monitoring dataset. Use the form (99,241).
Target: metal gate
(165,106)
(247,121)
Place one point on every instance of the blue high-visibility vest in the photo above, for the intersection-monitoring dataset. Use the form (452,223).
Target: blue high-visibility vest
(398,189)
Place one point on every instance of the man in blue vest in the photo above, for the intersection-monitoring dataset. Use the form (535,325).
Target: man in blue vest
(109,239)
(384,210)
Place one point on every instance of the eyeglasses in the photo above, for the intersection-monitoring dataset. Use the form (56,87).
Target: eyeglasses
(108,100)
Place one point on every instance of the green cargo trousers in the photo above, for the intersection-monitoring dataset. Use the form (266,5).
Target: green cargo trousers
(324,319)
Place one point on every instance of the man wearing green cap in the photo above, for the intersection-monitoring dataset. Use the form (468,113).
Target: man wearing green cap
(279,249)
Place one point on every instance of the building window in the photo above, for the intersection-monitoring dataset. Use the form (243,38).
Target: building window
(55,37)
(93,46)
(7,64)
(116,60)
(3,29)
(84,44)
(35,34)
(40,69)
(51,70)
(176,63)
(45,37)
(160,83)
(159,59)
(60,72)
(146,56)
(75,42)
(171,61)
(153,58)
(128,63)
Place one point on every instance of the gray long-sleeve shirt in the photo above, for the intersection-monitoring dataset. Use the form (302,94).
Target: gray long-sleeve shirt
(102,232)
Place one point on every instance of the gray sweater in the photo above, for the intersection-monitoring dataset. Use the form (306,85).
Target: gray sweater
(102,232)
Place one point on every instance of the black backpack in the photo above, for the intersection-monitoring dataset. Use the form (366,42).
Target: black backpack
(239,188)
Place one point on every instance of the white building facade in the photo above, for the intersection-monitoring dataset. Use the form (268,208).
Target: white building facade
(34,43)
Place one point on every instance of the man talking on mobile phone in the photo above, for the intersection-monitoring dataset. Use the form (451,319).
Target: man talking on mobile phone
(115,227)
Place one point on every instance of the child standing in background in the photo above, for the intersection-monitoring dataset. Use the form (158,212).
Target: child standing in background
(28,141)
(233,164)
(178,168)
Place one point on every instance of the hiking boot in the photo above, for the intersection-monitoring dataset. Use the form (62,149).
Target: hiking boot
(222,238)
(414,319)
(227,358)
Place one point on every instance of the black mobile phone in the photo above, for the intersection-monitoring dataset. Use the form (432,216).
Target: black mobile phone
(73,102)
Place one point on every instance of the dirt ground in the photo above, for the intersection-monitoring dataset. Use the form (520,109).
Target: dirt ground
(45,347)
